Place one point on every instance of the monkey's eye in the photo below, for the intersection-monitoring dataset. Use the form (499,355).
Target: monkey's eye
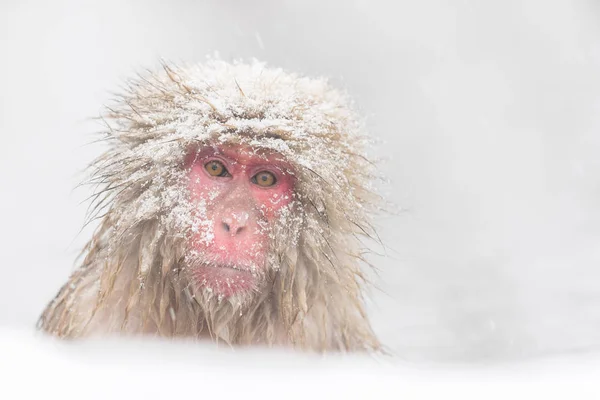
(216,168)
(264,178)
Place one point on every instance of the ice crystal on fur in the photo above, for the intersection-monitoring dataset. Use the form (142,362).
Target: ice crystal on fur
(135,276)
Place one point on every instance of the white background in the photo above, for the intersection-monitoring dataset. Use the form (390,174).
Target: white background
(489,117)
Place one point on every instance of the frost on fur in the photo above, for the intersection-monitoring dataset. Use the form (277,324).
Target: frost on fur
(135,275)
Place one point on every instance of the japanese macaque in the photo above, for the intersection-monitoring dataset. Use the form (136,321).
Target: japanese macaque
(232,202)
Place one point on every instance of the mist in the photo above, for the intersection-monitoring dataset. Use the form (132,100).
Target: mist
(486,116)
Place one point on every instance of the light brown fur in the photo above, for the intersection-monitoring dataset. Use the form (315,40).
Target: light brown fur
(135,275)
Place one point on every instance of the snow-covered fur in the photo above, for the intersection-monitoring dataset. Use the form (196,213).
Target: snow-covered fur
(135,277)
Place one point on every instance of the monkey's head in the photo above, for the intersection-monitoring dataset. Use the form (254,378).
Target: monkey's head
(233,199)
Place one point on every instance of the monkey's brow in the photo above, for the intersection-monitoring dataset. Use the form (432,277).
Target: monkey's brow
(271,135)
(263,135)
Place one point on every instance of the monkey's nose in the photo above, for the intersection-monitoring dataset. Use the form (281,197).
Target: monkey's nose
(233,226)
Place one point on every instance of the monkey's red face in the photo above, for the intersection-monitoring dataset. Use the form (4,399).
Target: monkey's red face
(236,195)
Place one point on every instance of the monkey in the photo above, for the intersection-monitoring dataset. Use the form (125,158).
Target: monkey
(232,201)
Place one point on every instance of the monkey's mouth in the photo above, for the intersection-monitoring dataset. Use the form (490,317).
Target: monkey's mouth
(225,280)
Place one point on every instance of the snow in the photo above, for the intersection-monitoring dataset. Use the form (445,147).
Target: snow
(157,370)
(488,114)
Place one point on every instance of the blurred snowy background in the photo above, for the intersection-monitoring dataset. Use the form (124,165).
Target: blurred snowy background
(489,114)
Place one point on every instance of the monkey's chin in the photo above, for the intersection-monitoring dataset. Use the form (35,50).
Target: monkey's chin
(224,281)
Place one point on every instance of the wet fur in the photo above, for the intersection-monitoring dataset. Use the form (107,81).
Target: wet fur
(135,274)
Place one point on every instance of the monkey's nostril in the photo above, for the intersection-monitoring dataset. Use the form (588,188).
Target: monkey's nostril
(233,227)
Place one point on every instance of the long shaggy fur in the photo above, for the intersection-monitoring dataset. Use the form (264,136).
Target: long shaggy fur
(135,277)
